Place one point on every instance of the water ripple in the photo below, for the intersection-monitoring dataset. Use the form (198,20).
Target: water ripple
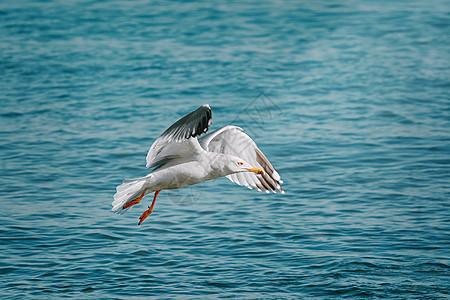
(354,115)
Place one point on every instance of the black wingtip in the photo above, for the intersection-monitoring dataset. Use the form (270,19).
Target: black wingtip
(191,125)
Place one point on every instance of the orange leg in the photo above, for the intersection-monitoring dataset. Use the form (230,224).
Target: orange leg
(135,201)
(149,210)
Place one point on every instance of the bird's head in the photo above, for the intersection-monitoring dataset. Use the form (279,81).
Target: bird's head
(237,165)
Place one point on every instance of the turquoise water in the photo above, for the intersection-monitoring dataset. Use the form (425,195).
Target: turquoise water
(348,99)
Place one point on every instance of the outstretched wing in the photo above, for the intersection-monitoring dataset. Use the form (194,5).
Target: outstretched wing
(233,141)
(179,141)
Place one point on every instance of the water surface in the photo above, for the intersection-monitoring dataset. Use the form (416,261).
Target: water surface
(349,100)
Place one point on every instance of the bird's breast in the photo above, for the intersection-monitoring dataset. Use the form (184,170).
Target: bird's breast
(180,176)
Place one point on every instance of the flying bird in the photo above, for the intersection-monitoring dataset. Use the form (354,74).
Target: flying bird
(180,159)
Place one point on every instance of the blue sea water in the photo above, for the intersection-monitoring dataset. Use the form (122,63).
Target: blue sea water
(350,100)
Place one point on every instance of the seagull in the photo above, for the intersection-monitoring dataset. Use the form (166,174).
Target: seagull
(180,159)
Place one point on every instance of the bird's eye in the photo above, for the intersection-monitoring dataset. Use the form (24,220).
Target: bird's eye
(240,163)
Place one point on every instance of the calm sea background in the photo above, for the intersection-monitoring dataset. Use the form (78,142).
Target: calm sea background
(350,100)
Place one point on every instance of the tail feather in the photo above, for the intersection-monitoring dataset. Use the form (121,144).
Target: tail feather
(127,192)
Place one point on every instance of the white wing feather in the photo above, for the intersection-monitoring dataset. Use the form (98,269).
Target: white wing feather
(233,141)
(179,141)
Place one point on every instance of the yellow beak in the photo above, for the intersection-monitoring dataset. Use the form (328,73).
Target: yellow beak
(256,170)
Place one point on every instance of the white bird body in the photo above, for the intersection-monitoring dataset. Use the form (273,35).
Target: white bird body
(199,169)
(180,160)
